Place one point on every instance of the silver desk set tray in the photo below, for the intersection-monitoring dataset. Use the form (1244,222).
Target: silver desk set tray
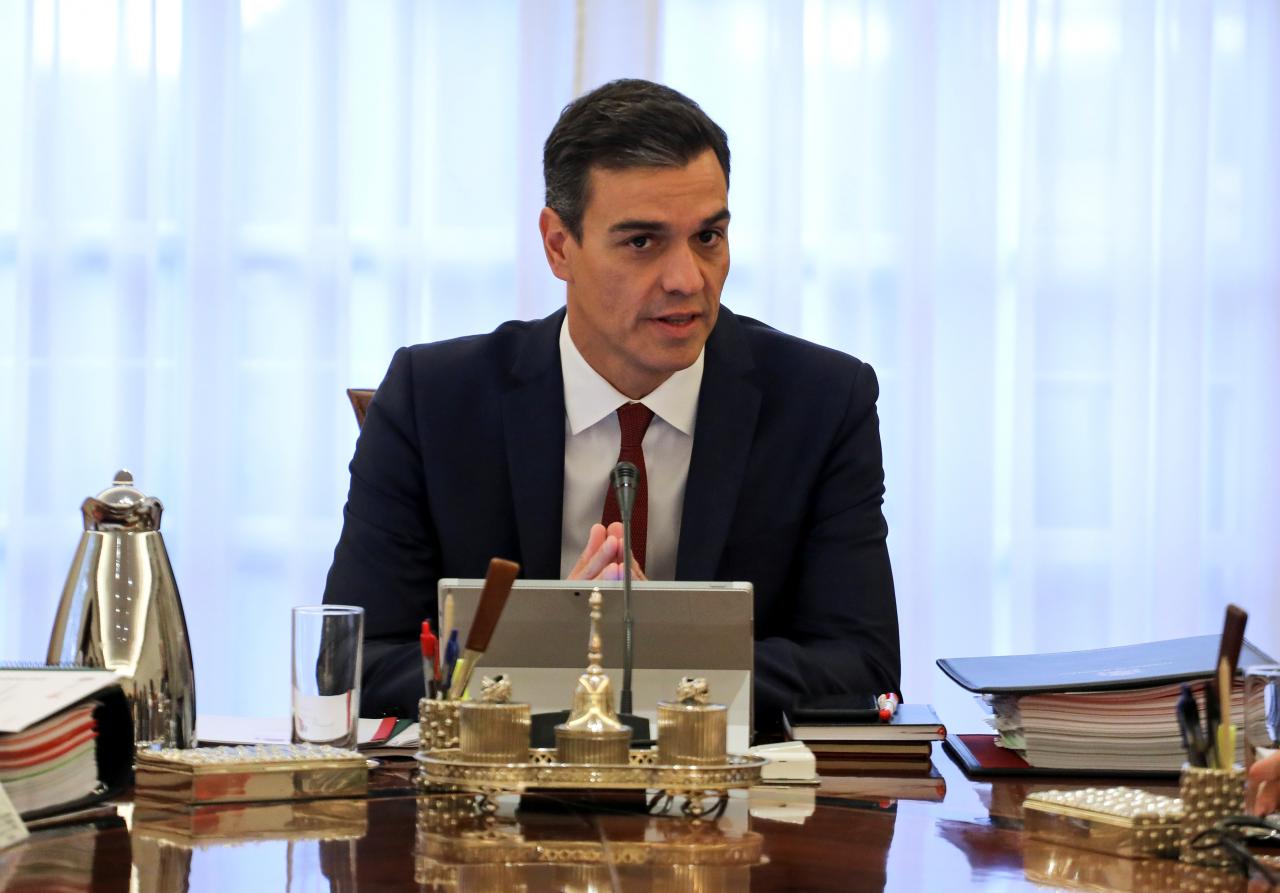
(449,770)
(477,745)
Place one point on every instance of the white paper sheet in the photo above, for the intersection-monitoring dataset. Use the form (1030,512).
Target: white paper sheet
(28,696)
(11,828)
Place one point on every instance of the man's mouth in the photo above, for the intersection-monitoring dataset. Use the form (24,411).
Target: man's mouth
(677,320)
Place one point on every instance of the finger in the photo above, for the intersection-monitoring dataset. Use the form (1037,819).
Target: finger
(637,573)
(1266,769)
(595,539)
(616,530)
(1266,798)
(611,571)
(608,552)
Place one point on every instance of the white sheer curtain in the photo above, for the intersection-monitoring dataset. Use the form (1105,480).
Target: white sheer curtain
(1052,227)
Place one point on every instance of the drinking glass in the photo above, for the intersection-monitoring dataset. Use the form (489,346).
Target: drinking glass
(327,651)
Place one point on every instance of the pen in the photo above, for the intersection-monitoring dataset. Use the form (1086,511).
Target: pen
(450,661)
(1211,723)
(493,598)
(430,658)
(1226,740)
(1222,736)
(1193,740)
(888,704)
(446,621)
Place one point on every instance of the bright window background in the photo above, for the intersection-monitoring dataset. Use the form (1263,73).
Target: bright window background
(1052,227)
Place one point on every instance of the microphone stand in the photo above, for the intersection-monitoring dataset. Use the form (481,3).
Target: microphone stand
(625,477)
(625,511)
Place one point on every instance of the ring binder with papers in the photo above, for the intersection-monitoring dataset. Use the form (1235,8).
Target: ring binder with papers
(1099,711)
(66,738)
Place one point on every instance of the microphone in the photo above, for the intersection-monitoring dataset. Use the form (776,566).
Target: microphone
(626,480)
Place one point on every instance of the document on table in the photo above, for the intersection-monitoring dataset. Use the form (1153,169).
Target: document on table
(215,729)
(28,696)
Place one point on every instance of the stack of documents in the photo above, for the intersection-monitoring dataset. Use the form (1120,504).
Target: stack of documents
(1101,710)
(66,737)
(51,762)
(1132,729)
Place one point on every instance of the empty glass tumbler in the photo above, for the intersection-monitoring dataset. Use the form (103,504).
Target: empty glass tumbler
(327,654)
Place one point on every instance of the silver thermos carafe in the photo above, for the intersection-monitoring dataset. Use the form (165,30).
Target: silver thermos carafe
(120,610)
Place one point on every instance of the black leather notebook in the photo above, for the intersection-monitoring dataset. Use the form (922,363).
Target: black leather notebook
(911,722)
(1097,669)
(835,709)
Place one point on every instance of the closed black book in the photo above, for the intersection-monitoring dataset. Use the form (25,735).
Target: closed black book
(835,710)
(911,722)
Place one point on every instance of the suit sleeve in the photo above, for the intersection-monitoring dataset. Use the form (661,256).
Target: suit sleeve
(843,629)
(387,557)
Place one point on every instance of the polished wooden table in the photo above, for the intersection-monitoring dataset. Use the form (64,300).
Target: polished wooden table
(943,833)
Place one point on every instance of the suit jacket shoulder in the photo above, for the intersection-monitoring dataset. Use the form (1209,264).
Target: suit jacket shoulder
(798,368)
(458,367)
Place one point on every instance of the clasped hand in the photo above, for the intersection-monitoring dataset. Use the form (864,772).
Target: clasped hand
(1264,784)
(602,558)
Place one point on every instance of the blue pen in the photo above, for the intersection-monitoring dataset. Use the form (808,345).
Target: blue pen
(450,658)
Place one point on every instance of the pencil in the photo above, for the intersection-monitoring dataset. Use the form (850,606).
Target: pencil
(446,625)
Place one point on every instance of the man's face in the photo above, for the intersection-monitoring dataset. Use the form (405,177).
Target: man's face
(644,283)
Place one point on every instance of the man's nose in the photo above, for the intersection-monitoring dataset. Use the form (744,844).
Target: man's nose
(682,274)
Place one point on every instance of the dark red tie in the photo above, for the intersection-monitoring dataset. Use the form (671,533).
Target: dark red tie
(633,419)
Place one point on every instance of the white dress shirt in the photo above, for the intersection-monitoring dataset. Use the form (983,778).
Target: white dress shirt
(591,443)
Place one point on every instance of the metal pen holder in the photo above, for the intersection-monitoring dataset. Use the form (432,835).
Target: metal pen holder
(1208,796)
(438,723)
(494,733)
(692,734)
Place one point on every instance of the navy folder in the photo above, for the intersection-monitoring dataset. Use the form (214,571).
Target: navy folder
(1098,669)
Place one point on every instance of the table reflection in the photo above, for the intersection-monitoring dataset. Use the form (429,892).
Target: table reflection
(309,845)
(545,842)
(425,842)
(1076,869)
(69,859)
(791,839)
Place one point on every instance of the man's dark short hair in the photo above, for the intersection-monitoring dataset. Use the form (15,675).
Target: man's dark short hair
(623,124)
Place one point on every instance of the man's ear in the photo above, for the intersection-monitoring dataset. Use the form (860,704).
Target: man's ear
(557,242)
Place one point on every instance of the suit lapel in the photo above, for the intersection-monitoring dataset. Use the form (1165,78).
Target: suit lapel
(533,426)
(728,407)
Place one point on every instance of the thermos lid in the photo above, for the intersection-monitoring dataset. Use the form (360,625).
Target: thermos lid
(122,507)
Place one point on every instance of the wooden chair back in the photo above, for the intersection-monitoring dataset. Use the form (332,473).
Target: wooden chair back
(360,398)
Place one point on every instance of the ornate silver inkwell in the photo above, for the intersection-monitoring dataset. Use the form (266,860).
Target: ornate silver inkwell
(592,750)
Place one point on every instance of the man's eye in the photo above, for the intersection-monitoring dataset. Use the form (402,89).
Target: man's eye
(710,236)
(639,241)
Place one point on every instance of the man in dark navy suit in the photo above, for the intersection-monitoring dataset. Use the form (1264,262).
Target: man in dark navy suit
(761,452)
